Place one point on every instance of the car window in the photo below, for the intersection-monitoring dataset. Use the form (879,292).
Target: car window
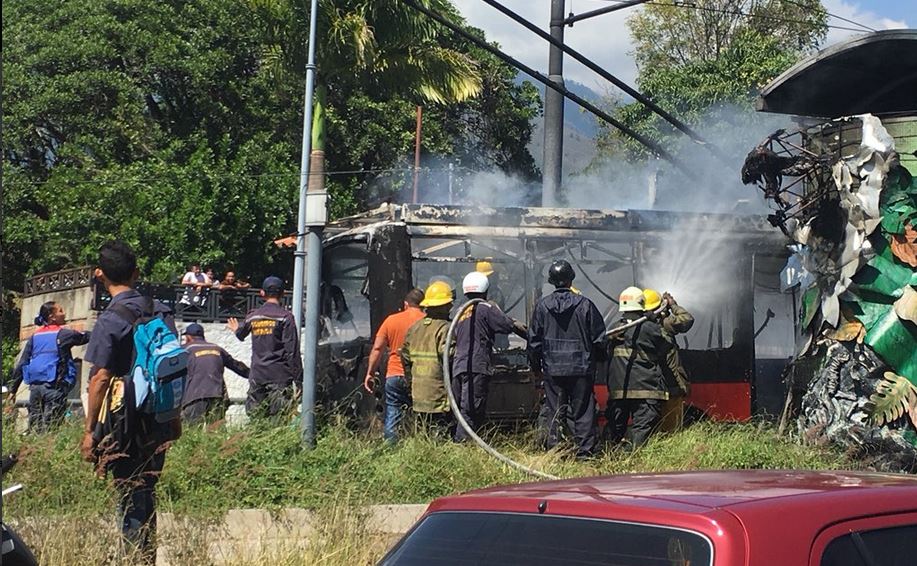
(893,546)
(459,538)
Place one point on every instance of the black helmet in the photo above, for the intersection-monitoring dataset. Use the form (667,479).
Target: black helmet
(561,273)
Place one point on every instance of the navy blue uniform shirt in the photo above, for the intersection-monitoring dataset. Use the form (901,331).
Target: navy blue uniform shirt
(205,371)
(275,345)
(474,338)
(112,344)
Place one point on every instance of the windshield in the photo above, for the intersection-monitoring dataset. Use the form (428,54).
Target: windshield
(464,538)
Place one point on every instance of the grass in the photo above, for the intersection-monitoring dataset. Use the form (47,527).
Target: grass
(210,472)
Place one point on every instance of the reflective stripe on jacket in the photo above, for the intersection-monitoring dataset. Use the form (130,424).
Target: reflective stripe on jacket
(421,355)
(638,354)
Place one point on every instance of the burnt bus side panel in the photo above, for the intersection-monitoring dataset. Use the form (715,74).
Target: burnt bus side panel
(389,272)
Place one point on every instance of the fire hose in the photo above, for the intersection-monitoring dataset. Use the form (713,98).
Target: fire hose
(447,382)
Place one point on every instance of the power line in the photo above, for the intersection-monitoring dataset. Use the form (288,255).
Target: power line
(804,7)
(748,15)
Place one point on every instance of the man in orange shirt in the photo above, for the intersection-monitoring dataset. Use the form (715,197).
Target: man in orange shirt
(390,337)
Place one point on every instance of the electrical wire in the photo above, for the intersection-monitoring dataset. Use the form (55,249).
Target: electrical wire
(843,19)
(580,101)
(747,15)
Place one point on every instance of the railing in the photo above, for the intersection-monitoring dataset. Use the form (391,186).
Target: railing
(58,280)
(191,305)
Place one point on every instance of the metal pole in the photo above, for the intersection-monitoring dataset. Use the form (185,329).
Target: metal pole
(552,163)
(417,152)
(451,167)
(308,408)
(600,11)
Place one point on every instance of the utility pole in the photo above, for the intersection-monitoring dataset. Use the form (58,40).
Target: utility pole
(312,211)
(552,163)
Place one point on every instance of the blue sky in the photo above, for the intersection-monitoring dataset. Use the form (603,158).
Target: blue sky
(605,39)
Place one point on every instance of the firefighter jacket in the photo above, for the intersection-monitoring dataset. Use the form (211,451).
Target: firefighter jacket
(422,357)
(566,336)
(638,355)
(677,321)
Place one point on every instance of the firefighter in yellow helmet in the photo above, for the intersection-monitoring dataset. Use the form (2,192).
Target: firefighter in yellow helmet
(636,386)
(422,355)
(673,320)
(494,293)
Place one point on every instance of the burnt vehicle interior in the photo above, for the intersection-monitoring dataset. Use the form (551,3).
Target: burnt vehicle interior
(724,269)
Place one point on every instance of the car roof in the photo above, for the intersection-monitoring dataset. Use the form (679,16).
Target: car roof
(706,489)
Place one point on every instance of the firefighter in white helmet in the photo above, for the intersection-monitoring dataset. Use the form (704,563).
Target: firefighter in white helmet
(472,367)
(636,386)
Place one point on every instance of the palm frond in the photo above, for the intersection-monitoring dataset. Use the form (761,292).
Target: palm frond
(895,397)
(437,74)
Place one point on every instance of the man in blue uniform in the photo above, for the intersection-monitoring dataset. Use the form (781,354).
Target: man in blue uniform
(47,367)
(111,351)
(205,393)
(472,367)
(276,368)
(566,336)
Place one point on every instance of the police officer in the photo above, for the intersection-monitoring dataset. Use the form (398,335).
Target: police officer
(276,367)
(674,320)
(46,365)
(205,393)
(566,337)
(422,357)
(636,387)
(472,366)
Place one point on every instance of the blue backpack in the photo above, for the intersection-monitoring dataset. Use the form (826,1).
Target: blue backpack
(44,362)
(160,364)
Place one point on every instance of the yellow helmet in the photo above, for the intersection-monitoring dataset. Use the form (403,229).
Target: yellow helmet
(439,293)
(651,299)
(630,300)
(484,267)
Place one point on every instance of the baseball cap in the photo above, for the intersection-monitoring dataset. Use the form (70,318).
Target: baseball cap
(272,284)
(194,329)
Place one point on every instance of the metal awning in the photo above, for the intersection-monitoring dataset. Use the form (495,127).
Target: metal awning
(874,73)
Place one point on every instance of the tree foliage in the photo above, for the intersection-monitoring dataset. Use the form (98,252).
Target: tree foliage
(169,124)
(694,58)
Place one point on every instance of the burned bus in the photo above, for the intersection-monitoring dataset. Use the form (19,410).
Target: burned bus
(723,268)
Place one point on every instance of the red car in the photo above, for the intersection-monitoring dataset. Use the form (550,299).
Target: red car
(731,518)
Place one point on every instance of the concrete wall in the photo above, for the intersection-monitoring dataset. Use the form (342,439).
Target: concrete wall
(77,302)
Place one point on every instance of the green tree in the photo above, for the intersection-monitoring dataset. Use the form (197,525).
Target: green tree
(694,58)
(148,121)
(378,60)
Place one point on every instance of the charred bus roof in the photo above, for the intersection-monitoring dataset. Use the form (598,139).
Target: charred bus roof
(514,222)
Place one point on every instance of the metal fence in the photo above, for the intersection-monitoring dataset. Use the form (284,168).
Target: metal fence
(58,281)
(191,305)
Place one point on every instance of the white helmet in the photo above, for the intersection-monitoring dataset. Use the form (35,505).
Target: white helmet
(475,282)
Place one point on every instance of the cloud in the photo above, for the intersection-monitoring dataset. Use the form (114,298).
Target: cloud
(604,39)
(856,12)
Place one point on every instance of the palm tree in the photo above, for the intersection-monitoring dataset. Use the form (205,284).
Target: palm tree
(384,42)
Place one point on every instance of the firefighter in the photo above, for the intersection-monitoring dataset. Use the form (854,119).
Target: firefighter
(675,320)
(472,366)
(422,355)
(494,293)
(636,386)
(565,338)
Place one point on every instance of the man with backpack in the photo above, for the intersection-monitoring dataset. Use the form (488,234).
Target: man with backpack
(276,364)
(126,432)
(46,365)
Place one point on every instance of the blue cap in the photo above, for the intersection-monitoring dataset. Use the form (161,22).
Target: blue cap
(194,329)
(272,284)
